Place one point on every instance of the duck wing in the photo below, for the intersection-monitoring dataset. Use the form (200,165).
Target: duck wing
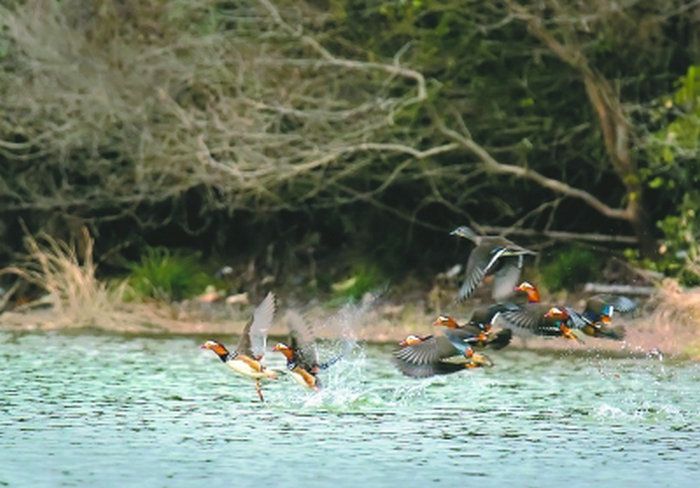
(621,303)
(302,339)
(506,277)
(254,337)
(430,350)
(530,318)
(463,338)
(577,320)
(484,314)
(481,261)
(426,370)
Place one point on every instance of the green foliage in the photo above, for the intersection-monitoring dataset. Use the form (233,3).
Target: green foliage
(673,167)
(570,267)
(166,275)
(214,109)
(679,253)
(363,277)
(674,149)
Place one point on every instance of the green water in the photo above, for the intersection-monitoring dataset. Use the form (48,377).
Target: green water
(104,410)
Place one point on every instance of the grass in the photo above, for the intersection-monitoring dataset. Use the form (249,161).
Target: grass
(165,275)
(66,272)
(362,278)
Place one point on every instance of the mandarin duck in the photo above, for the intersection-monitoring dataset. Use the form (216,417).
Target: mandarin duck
(544,320)
(301,352)
(246,360)
(595,320)
(448,352)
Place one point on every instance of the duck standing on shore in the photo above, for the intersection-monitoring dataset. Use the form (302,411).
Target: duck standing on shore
(493,255)
(246,360)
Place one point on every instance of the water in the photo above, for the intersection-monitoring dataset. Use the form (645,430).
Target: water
(105,410)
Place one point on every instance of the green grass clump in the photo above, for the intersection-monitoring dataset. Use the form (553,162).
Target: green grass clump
(362,279)
(166,275)
(569,268)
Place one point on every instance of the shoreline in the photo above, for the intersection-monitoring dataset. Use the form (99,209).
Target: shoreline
(644,336)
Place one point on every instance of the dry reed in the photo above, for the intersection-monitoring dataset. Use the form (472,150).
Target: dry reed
(67,273)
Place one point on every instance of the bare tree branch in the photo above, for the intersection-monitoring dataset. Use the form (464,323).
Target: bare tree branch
(493,166)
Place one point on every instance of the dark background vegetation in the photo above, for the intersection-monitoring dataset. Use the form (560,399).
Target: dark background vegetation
(303,140)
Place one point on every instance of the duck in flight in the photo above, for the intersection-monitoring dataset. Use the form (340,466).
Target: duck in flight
(447,352)
(246,360)
(301,352)
(595,320)
(493,255)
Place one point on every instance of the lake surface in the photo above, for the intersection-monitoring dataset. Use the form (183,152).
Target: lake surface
(107,410)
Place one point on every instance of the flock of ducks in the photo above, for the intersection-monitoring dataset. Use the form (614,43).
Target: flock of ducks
(517,309)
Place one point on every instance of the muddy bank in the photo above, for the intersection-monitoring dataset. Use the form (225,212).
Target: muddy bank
(661,330)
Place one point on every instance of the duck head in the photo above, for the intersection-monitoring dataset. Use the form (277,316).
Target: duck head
(556,313)
(218,348)
(446,321)
(287,351)
(530,290)
(561,316)
(465,232)
(411,340)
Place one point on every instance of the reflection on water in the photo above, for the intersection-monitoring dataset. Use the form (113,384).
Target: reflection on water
(103,410)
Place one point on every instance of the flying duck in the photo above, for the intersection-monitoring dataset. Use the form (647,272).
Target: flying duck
(475,333)
(493,255)
(600,308)
(246,359)
(544,320)
(448,352)
(302,354)
(437,355)
(595,320)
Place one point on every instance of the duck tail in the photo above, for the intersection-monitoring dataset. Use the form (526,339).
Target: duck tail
(615,333)
(501,339)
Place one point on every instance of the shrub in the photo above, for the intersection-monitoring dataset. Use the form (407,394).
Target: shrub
(165,275)
(569,268)
(363,278)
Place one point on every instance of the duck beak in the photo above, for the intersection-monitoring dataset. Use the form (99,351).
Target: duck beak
(203,346)
(606,319)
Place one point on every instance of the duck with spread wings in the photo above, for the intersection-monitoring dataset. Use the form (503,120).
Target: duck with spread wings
(302,354)
(594,321)
(449,351)
(493,255)
(246,360)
